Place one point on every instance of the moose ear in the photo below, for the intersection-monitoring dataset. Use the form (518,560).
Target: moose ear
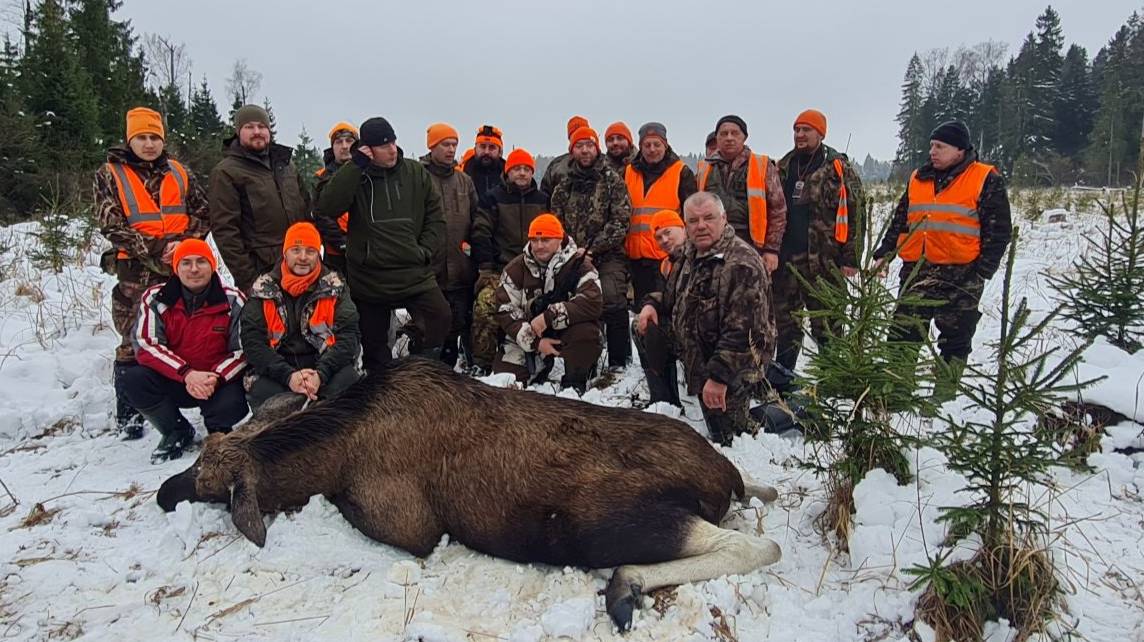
(245,512)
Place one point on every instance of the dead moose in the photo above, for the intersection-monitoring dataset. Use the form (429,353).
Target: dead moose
(415,451)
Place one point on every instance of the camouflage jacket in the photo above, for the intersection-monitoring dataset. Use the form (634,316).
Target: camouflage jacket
(593,204)
(300,347)
(729,181)
(821,191)
(556,172)
(525,278)
(454,264)
(113,224)
(620,165)
(718,309)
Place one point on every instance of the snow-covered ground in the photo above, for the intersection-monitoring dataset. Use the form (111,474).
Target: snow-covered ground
(102,561)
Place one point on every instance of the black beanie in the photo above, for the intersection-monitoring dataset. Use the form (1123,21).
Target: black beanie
(952,132)
(731,118)
(376,132)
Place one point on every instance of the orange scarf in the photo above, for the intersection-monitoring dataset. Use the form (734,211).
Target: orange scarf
(295,285)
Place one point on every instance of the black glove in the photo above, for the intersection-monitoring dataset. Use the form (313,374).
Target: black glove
(359,159)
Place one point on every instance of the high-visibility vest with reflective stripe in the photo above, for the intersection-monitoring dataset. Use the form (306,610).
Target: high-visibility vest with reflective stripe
(842,215)
(663,195)
(321,323)
(344,219)
(944,227)
(168,216)
(756,196)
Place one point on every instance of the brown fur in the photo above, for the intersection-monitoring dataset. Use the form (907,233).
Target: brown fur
(416,451)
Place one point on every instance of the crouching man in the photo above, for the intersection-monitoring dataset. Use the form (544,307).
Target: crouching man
(716,308)
(652,342)
(187,345)
(548,305)
(300,330)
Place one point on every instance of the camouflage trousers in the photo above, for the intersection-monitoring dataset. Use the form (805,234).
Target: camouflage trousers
(134,279)
(789,297)
(960,287)
(485,331)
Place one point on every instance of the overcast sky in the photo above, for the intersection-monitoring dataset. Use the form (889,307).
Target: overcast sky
(526,66)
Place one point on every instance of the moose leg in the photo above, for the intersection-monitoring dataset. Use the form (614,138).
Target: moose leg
(707,552)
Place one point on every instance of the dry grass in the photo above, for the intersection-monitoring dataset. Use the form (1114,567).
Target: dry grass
(30,290)
(663,599)
(723,630)
(157,596)
(38,516)
(838,518)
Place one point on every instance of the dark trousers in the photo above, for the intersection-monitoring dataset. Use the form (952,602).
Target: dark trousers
(431,318)
(459,341)
(614,283)
(646,279)
(956,320)
(579,347)
(264,388)
(789,297)
(658,361)
(147,389)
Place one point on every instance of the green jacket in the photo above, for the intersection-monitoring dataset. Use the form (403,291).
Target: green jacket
(300,347)
(396,228)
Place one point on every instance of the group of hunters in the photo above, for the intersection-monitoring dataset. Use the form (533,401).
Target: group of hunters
(502,275)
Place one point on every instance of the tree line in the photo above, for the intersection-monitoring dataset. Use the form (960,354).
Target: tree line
(1046,116)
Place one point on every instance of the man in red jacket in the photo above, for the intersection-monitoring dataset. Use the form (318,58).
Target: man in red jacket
(187,345)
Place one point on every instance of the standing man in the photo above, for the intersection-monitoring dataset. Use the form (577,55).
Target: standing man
(955,215)
(823,197)
(487,167)
(749,186)
(147,202)
(255,194)
(592,203)
(500,233)
(300,328)
(190,354)
(657,180)
(396,229)
(621,147)
(716,303)
(342,138)
(454,266)
(562,164)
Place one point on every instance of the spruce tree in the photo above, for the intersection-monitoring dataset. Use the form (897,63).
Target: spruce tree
(273,121)
(1044,74)
(307,159)
(20,155)
(205,131)
(1077,103)
(107,55)
(909,119)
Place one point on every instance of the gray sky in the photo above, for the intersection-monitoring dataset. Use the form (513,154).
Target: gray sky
(526,66)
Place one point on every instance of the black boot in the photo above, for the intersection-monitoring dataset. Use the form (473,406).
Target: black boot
(449,352)
(619,338)
(127,418)
(176,430)
(575,378)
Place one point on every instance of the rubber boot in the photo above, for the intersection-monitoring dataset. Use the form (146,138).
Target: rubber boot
(176,430)
(449,352)
(127,418)
(575,378)
(619,339)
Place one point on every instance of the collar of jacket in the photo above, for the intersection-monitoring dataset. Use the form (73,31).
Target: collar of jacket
(828,152)
(277,154)
(736,162)
(559,260)
(640,164)
(474,168)
(626,159)
(125,156)
(172,292)
(511,189)
(437,169)
(269,286)
(928,172)
(593,171)
(377,171)
(717,250)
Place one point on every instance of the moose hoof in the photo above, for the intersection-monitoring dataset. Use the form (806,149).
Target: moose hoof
(622,597)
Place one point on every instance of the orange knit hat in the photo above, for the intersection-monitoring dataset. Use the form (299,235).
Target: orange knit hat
(618,128)
(576,122)
(194,247)
(438,132)
(302,233)
(491,135)
(584,133)
(519,156)
(813,119)
(545,226)
(142,120)
(665,218)
(342,127)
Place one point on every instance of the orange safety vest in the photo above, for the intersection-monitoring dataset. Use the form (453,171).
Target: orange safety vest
(663,195)
(169,216)
(842,215)
(321,322)
(945,228)
(756,196)
(344,219)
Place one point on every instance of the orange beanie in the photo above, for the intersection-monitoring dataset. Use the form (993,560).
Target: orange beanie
(545,226)
(194,247)
(438,132)
(342,127)
(665,218)
(576,122)
(142,120)
(618,128)
(491,135)
(519,156)
(813,119)
(584,133)
(302,233)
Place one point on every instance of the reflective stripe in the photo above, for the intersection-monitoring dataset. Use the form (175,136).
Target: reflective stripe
(174,209)
(756,193)
(639,227)
(927,225)
(644,211)
(947,208)
(177,172)
(126,191)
